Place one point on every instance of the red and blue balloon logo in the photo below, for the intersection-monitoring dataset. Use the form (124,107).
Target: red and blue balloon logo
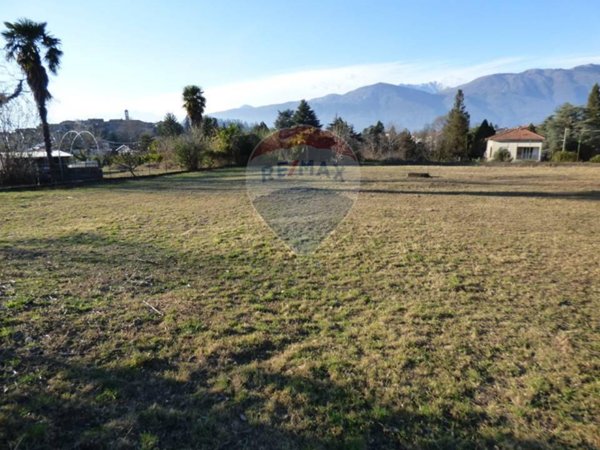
(303,182)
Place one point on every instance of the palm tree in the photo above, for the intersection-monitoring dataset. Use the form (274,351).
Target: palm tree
(194,104)
(24,41)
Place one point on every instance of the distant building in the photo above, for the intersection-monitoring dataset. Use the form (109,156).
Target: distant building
(41,154)
(69,170)
(37,160)
(38,154)
(522,143)
(123,150)
(115,130)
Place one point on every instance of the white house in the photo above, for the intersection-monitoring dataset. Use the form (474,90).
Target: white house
(38,155)
(41,154)
(123,150)
(522,143)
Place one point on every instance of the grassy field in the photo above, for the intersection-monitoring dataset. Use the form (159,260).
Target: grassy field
(456,311)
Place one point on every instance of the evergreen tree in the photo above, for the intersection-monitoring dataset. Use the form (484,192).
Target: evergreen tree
(145,142)
(375,130)
(479,143)
(284,119)
(339,124)
(345,131)
(261,130)
(169,126)
(566,117)
(593,103)
(591,126)
(455,133)
(304,115)
(209,126)
(260,127)
(406,145)
(373,138)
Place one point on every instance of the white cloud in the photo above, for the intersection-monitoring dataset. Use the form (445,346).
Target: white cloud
(315,83)
(293,86)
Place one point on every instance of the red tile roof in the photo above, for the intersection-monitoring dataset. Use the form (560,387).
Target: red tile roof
(516,134)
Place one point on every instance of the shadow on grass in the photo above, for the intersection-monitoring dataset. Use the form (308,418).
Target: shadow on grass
(219,180)
(104,261)
(574,195)
(83,247)
(148,402)
(140,407)
(233,180)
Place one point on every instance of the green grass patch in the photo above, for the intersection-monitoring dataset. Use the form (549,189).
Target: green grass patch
(452,312)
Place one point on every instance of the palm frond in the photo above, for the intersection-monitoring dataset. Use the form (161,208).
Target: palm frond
(52,58)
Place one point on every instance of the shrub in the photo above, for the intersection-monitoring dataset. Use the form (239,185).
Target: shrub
(233,145)
(187,154)
(502,155)
(595,159)
(15,169)
(162,150)
(153,157)
(564,157)
(243,147)
(190,149)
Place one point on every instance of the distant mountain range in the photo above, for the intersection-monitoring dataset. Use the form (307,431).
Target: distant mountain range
(506,99)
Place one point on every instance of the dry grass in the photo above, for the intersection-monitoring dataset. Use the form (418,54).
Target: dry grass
(457,311)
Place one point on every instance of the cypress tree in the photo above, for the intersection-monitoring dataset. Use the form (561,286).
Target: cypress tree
(455,133)
(591,129)
(593,104)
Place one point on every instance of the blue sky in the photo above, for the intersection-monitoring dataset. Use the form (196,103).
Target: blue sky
(139,54)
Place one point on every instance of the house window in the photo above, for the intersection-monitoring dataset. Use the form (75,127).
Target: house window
(527,153)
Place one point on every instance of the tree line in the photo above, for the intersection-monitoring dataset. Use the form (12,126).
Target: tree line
(202,141)
(213,142)
(572,132)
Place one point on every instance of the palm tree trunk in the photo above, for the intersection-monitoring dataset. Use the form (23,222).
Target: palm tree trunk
(47,142)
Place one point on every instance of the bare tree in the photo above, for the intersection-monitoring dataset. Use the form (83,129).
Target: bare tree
(15,116)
